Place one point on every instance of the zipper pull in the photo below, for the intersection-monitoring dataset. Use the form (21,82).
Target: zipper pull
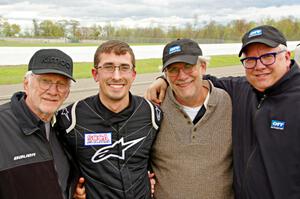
(261,101)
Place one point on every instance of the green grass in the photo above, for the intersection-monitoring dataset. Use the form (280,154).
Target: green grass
(14,74)
(224,60)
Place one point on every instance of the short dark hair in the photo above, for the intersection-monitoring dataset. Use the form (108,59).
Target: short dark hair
(113,46)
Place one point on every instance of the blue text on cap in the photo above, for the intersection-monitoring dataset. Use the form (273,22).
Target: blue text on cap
(256,32)
(174,49)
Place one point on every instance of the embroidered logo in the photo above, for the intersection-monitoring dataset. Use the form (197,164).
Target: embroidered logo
(276,124)
(254,33)
(56,60)
(174,49)
(65,112)
(97,139)
(158,113)
(105,152)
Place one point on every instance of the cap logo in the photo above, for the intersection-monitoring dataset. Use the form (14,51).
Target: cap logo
(174,49)
(254,33)
(56,60)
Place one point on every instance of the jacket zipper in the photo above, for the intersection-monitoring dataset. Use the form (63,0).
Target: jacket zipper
(47,143)
(261,101)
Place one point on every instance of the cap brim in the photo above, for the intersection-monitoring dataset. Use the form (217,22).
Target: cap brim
(190,59)
(267,42)
(44,71)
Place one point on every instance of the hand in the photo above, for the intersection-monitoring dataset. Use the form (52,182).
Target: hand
(80,190)
(156,91)
(152,182)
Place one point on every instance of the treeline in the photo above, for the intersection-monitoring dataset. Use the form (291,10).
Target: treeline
(211,32)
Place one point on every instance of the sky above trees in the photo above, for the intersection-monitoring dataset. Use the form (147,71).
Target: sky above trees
(146,13)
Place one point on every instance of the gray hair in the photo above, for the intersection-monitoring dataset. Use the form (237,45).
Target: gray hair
(297,55)
(282,47)
(28,75)
(203,59)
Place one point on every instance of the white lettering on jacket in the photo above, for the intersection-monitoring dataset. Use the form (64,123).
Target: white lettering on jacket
(23,156)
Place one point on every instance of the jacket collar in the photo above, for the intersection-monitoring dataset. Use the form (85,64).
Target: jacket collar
(112,117)
(27,120)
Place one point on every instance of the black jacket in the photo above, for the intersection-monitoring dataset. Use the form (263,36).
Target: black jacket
(26,161)
(266,137)
(112,149)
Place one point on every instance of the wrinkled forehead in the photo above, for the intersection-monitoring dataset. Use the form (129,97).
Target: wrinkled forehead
(52,77)
(258,48)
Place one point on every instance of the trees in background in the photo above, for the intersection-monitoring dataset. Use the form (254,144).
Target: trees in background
(7,29)
(208,32)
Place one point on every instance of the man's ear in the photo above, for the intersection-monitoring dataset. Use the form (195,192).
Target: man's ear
(288,59)
(288,55)
(203,66)
(134,74)
(95,74)
(25,84)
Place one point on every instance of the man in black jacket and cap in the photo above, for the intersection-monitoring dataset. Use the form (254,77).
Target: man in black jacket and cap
(33,162)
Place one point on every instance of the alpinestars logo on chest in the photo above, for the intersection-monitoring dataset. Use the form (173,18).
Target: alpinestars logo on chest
(106,152)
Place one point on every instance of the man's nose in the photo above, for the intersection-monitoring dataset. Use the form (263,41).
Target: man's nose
(117,73)
(181,74)
(259,65)
(53,89)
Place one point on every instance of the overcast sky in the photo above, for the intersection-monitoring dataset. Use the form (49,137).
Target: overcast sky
(143,13)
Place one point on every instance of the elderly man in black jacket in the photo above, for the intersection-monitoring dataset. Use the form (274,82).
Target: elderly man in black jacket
(33,161)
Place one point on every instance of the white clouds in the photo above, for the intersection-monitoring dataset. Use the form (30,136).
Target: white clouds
(258,14)
(145,13)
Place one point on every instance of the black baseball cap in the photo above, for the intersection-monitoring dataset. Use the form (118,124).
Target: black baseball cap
(265,34)
(181,50)
(51,61)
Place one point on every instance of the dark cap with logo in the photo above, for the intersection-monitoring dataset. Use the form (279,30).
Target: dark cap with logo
(51,61)
(181,50)
(265,34)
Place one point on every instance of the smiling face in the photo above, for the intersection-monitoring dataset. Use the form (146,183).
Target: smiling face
(262,77)
(187,86)
(114,86)
(45,102)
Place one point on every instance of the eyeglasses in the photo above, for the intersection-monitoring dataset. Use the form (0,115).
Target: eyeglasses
(174,71)
(266,59)
(110,68)
(46,84)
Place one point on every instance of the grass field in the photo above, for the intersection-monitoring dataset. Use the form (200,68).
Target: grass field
(14,74)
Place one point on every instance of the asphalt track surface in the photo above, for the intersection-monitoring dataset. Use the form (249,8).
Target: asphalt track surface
(87,87)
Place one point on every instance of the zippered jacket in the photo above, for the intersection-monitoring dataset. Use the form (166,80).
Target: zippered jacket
(112,149)
(266,137)
(26,159)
